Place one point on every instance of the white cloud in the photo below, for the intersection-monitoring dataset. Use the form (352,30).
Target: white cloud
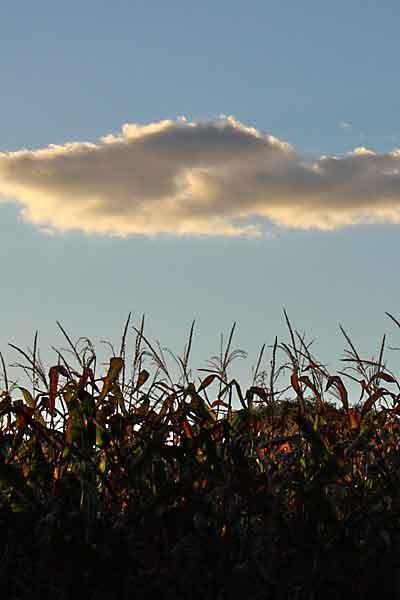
(198,178)
(363,151)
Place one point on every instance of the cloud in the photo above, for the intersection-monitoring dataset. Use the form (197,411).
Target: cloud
(197,178)
(345,125)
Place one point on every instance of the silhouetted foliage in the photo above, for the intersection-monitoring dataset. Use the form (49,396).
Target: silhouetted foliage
(130,485)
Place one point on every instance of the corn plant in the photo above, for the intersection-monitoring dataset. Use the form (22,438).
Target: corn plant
(131,483)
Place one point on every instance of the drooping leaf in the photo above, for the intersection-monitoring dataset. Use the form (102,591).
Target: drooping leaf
(219,403)
(368,404)
(382,375)
(260,392)
(297,388)
(206,382)
(32,403)
(23,412)
(87,375)
(116,364)
(167,405)
(335,379)
(142,378)
(118,395)
(53,376)
(62,371)
(307,381)
(29,399)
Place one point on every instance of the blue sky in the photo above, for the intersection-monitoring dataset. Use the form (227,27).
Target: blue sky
(320,76)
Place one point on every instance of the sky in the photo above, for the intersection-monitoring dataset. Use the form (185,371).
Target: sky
(215,161)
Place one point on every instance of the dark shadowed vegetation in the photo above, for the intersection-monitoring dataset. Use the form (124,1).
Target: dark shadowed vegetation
(128,484)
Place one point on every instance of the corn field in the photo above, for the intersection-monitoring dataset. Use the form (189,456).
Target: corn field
(128,484)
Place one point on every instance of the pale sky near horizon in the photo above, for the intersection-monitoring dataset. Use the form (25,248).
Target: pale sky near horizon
(197,161)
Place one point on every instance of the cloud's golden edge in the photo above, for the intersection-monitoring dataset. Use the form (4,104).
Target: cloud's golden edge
(181,177)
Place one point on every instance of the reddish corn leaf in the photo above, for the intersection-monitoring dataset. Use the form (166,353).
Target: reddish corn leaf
(24,414)
(297,388)
(187,429)
(260,392)
(335,379)
(68,429)
(307,381)
(311,365)
(53,376)
(21,421)
(372,399)
(86,375)
(382,375)
(32,402)
(206,382)
(62,370)
(294,380)
(167,404)
(219,403)
(142,378)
